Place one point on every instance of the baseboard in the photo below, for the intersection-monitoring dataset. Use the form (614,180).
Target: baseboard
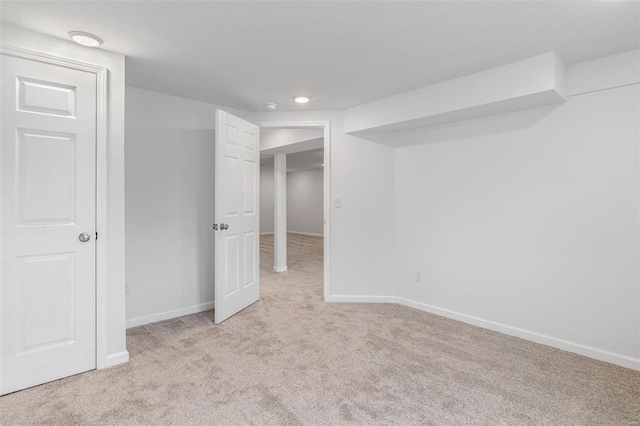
(588,351)
(161,316)
(279,269)
(308,234)
(348,298)
(117,358)
(266,233)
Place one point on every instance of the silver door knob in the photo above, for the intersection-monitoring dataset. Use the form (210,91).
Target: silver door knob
(215,226)
(223,226)
(84,237)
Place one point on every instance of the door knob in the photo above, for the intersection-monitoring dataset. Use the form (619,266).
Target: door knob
(84,237)
(223,226)
(215,226)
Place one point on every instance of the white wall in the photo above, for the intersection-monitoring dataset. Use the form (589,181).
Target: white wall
(305,196)
(266,202)
(115,63)
(152,110)
(305,202)
(170,206)
(277,140)
(527,222)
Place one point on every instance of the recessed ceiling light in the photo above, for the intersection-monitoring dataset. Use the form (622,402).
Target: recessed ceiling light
(302,99)
(271,106)
(85,39)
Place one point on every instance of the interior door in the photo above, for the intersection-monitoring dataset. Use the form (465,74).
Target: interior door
(47,223)
(237,192)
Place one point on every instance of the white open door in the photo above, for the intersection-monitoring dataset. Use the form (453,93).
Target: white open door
(237,192)
(48,223)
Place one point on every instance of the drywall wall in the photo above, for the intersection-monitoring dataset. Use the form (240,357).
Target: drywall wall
(169,207)
(266,202)
(115,63)
(603,73)
(152,110)
(279,140)
(527,222)
(305,197)
(362,229)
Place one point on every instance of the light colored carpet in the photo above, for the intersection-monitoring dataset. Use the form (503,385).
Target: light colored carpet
(292,359)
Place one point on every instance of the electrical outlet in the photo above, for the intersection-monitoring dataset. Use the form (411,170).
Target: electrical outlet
(418,276)
(337,202)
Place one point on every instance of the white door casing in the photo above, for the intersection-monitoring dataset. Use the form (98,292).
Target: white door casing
(48,198)
(237,214)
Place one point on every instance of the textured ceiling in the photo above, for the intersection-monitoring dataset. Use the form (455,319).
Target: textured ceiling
(243,54)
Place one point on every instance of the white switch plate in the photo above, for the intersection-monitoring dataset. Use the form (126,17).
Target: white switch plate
(337,202)
(418,276)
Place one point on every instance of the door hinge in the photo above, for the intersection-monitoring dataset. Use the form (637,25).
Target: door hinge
(96,235)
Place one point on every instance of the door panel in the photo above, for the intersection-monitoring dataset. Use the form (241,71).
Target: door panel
(249,193)
(251,247)
(236,188)
(46,97)
(232,264)
(49,157)
(47,170)
(232,188)
(39,300)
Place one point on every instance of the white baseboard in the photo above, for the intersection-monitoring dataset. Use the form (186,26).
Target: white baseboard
(565,345)
(115,359)
(266,233)
(175,313)
(308,234)
(588,351)
(348,298)
(279,269)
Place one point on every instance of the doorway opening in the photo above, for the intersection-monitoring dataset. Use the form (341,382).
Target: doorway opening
(294,209)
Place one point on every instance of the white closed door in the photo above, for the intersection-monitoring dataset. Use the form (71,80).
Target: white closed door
(47,223)
(237,192)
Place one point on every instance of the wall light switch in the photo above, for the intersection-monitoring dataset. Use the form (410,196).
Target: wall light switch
(337,202)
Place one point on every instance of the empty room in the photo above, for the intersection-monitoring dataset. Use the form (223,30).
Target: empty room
(320,213)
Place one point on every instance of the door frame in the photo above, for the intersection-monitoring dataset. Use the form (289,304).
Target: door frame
(101,183)
(326,126)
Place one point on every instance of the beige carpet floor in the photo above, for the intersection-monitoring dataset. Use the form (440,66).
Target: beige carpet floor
(292,359)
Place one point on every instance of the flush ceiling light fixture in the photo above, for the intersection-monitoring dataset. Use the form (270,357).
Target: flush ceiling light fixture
(85,39)
(301,99)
